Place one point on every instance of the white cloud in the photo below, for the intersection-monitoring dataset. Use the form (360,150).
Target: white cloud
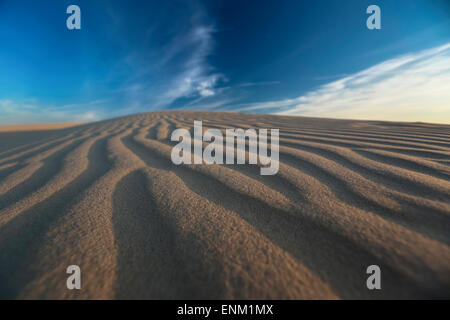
(412,87)
(194,77)
(12,112)
(150,77)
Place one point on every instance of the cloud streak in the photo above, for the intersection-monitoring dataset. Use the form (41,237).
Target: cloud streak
(194,77)
(177,67)
(411,87)
(169,64)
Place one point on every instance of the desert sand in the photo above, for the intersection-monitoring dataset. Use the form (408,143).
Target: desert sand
(105,196)
(37,127)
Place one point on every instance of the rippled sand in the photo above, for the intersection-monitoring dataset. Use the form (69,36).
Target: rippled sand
(106,196)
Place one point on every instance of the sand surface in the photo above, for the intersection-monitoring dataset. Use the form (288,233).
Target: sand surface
(37,127)
(106,196)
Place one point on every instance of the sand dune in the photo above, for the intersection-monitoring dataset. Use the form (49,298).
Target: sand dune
(36,127)
(106,196)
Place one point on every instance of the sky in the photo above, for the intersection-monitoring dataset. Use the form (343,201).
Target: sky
(291,57)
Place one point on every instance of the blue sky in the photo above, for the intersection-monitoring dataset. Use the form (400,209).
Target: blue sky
(314,58)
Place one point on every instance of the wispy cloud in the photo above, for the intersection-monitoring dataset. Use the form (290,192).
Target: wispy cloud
(170,67)
(177,68)
(12,112)
(256,84)
(411,87)
(170,63)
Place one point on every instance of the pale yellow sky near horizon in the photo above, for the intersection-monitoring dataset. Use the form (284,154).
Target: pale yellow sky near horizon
(414,87)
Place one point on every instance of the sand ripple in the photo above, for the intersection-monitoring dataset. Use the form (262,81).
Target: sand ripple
(106,196)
